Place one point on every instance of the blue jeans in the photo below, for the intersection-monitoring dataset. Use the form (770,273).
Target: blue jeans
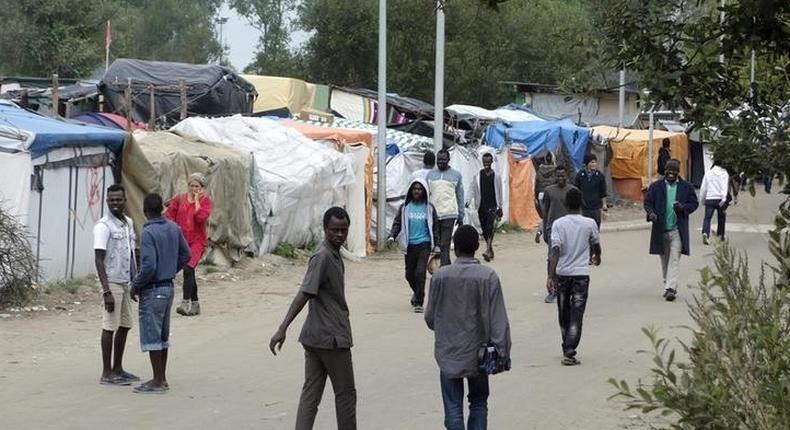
(721,218)
(155,304)
(453,399)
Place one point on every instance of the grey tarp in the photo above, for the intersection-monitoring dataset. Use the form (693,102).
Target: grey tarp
(210,89)
(161,162)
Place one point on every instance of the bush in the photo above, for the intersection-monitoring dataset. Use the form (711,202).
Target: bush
(285,250)
(737,374)
(17,264)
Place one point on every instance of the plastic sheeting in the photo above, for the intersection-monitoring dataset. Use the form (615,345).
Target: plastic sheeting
(522,192)
(296,178)
(630,149)
(503,114)
(15,186)
(277,92)
(540,136)
(161,162)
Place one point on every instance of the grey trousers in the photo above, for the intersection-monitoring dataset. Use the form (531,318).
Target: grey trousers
(670,259)
(318,364)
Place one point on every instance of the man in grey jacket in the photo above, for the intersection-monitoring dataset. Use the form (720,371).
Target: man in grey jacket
(447,196)
(466,309)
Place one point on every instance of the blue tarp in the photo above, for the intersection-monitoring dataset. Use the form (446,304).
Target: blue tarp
(51,134)
(539,136)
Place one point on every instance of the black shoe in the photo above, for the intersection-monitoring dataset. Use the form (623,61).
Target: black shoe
(670,294)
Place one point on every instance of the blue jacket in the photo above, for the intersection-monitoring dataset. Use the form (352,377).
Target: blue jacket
(656,203)
(163,252)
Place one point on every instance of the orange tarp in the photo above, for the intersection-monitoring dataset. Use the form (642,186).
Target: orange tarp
(522,194)
(343,136)
(631,151)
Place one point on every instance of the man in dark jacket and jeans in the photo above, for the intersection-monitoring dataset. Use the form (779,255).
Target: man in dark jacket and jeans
(668,204)
(592,184)
(163,253)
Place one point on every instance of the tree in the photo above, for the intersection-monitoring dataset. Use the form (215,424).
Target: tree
(677,47)
(271,19)
(40,37)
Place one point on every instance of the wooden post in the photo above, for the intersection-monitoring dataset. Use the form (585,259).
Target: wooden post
(127,96)
(183,88)
(151,108)
(55,95)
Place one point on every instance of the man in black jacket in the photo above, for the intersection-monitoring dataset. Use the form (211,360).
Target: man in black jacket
(592,184)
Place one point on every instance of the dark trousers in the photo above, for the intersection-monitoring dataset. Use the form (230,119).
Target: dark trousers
(571,301)
(721,218)
(594,214)
(487,218)
(445,228)
(190,284)
(453,400)
(318,364)
(416,265)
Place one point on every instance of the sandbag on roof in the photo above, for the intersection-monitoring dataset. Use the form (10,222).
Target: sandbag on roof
(296,178)
(210,89)
(161,162)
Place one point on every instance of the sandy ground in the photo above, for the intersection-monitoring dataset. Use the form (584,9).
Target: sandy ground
(222,375)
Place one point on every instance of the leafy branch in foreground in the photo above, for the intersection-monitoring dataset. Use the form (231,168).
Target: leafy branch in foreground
(737,373)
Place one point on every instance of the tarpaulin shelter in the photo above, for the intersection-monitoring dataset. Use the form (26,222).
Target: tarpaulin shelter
(521,185)
(294,179)
(278,92)
(467,113)
(161,162)
(210,89)
(629,164)
(361,105)
(540,136)
(108,120)
(359,202)
(55,176)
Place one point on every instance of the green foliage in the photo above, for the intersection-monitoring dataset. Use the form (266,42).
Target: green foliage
(738,371)
(675,47)
(506,227)
(285,250)
(487,41)
(41,37)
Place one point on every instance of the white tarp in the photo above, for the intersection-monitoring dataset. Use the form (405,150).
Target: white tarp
(295,178)
(493,115)
(399,170)
(15,186)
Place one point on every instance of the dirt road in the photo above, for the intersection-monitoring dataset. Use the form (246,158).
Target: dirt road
(222,375)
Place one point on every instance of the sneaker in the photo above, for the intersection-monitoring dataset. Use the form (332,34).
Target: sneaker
(705,239)
(194,309)
(537,236)
(418,309)
(550,298)
(570,361)
(670,294)
(184,307)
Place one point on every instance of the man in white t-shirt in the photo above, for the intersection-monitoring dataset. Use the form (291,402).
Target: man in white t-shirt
(572,236)
(113,244)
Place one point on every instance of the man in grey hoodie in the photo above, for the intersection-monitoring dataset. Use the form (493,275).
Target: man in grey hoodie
(414,228)
(447,196)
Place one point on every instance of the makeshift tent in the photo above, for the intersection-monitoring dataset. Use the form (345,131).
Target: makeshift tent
(540,136)
(161,162)
(359,200)
(506,113)
(522,191)
(629,163)
(361,105)
(276,92)
(405,142)
(70,166)
(294,181)
(210,89)
(108,120)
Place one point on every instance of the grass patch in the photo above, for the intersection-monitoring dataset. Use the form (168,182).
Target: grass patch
(509,228)
(209,269)
(71,286)
(285,250)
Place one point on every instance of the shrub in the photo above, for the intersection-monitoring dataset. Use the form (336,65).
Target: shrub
(736,373)
(17,264)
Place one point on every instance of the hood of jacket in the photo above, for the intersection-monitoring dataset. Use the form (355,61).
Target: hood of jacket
(718,171)
(424,184)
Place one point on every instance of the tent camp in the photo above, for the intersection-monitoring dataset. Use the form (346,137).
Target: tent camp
(359,144)
(161,162)
(294,181)
(629,162)
(56,176)
(276,92)
(108,120)
(361,105)
(210,89)
(536,137)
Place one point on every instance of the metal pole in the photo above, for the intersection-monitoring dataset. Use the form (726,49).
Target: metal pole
(381,141)
(650,148)
(55,95)
(438,95)
(622,96)
(721,38)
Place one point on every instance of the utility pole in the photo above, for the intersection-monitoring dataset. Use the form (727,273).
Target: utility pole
(438,95)
(381,138)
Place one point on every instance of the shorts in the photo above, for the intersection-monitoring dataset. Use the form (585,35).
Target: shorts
(121,316)
(155,304)
(487,220)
